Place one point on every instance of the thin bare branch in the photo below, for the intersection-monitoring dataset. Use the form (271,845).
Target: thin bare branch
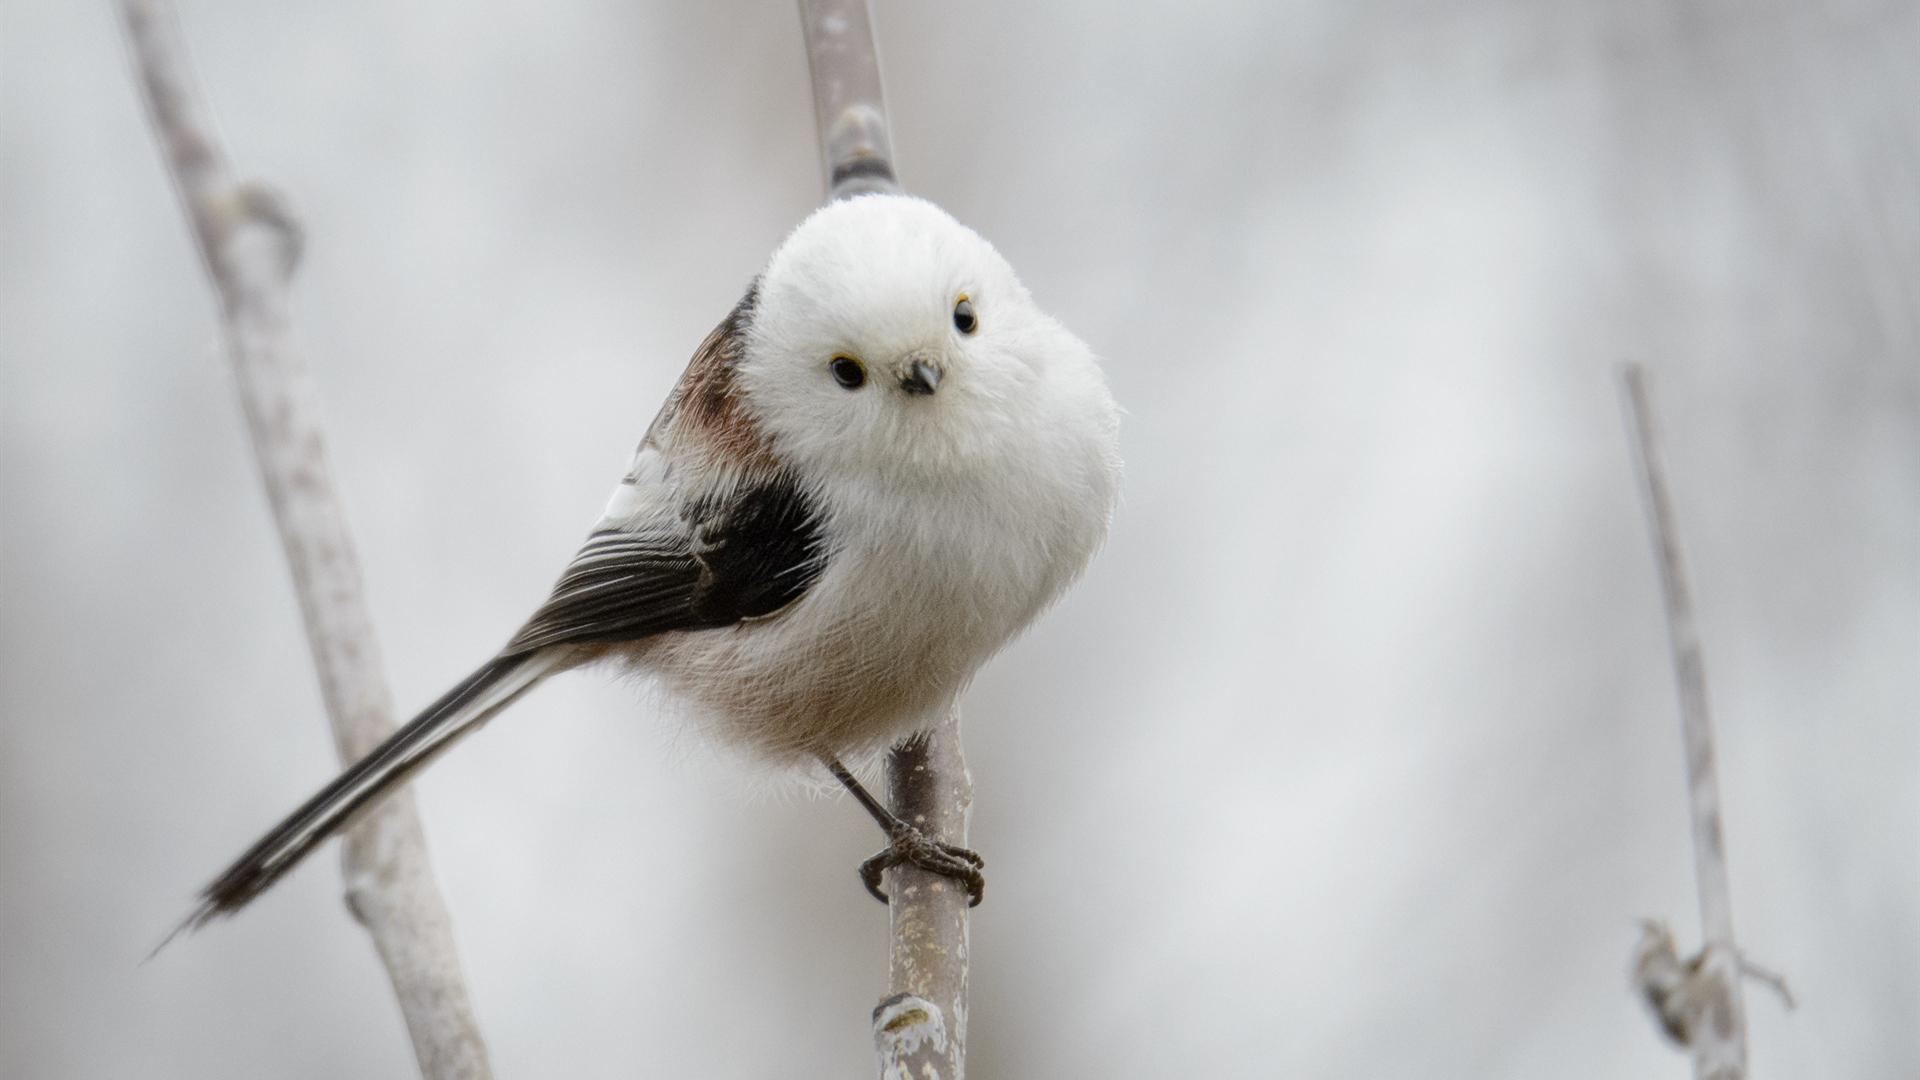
(250,244)
(920,1028)
(1716,1032)
(1770,979)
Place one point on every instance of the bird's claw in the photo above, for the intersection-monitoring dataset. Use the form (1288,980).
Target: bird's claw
(909,846)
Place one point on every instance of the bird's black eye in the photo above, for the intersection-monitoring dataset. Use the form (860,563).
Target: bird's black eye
(848,372)
(963,319)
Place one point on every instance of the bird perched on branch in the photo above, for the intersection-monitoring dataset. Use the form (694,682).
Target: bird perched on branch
(879,468)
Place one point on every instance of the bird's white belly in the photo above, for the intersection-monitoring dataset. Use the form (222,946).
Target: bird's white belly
(884,641)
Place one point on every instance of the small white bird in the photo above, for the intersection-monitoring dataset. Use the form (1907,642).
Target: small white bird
(877,470)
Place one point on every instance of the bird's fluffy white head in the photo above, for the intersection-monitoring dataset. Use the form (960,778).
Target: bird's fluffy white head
(876,279)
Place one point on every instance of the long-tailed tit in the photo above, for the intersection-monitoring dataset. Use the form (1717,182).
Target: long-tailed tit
(877,470)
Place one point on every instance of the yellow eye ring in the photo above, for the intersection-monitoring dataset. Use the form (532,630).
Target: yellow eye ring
(964,319)
(847,371)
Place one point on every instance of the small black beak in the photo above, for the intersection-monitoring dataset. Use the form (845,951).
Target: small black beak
(922,378)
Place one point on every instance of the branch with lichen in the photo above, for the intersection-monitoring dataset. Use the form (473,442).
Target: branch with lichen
(250,243)
(920,1028)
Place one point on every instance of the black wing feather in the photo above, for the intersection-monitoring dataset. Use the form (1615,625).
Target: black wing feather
(739,557)
(758,552)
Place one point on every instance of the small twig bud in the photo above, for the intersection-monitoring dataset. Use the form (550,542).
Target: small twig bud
(266,207)
(909,1035)
(1691,998)
(1661,979)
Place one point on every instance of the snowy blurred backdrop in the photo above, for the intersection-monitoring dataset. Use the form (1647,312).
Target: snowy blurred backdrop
(1355,754)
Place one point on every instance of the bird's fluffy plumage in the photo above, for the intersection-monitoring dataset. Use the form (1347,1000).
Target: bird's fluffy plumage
(948,520)
(816,570)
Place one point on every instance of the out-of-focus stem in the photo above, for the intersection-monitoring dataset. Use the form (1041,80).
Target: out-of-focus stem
(1719,1039)
(856,147)
(250,244)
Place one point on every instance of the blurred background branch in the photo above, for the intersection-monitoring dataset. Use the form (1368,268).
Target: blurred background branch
(1698,1003)
(920,1029)
(250,244)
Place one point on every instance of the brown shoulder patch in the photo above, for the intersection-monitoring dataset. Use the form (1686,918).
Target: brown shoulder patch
(705,405)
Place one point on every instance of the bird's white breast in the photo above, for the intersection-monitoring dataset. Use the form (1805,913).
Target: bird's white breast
(922,585)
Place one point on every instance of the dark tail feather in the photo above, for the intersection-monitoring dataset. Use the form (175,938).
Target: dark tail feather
(365,782)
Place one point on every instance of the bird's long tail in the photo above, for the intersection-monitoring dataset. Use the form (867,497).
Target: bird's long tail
(462,709)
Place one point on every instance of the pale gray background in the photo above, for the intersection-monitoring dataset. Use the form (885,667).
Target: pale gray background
(1354,755)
